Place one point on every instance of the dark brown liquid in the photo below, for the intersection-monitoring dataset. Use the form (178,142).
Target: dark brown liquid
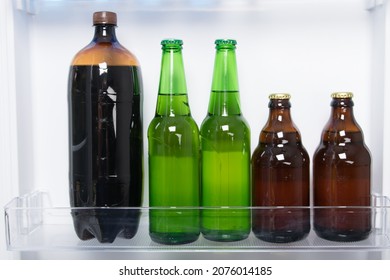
(280,169)
(106,150)
(342,178)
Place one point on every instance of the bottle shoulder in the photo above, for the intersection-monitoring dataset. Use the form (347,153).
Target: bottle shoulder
(343,127)
(276,138)
(173,124)
(342,151)
(342,137)
(281,146)
(173,136)
(224,122)
(222,128)
(276,126)
(287,155)
(114,54)
(342,119)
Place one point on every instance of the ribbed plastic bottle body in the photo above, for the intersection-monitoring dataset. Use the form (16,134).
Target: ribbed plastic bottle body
(280,177)
(225,149)
(106,142)
(173,138)
(342,177)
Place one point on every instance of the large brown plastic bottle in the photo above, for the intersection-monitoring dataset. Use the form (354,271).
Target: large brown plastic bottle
(341,176)
(105,127)
(280,177)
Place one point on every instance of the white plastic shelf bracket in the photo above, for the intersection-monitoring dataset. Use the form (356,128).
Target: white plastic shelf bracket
(28,6)
(373,4)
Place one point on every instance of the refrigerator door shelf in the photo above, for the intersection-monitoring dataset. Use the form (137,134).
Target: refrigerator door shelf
(32,224)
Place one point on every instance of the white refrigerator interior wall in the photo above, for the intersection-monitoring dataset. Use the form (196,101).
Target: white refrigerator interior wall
(306,48)
(8,131)
(307,52)
(386,119)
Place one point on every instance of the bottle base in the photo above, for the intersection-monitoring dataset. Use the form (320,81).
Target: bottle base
(342,235)
(280,236)
(225,235)
(173,238)
(105,225)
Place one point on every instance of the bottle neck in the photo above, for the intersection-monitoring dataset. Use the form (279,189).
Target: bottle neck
(342,109)
(172,76)
(279,118)
(280,130)
(104,33)
(172,98)
(342,126)
(224,97)
(342,117)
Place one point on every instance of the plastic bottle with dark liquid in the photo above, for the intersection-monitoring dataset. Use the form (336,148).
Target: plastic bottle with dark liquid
(173,139)
(106,142)
(341,176)
(225,149)
(280,177)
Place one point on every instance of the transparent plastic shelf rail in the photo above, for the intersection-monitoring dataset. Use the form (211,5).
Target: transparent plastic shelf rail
(32,224)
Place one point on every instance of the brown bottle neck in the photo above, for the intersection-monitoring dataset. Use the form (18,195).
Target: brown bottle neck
(104,33)
(279,118)
(280,129)
(342,126)
(342,117)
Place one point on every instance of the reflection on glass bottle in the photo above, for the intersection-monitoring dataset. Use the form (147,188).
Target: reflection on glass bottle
(106,146)
(225,148)
(173,138)
(281,177)
(342,176)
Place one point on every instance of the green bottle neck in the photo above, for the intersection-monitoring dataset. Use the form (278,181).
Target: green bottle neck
(172,95)
(224,97)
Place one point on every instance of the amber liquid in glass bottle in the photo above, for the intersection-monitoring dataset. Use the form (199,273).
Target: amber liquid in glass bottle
(341,176)
(105,126)
(280,177)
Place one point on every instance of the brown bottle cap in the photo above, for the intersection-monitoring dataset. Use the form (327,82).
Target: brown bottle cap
(342,95)
(104,17)
(279,96)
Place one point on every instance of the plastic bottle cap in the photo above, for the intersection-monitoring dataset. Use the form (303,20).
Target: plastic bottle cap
(342,95)
(279,96)
(104,17)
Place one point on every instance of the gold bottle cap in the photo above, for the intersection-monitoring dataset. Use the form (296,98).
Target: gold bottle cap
(104,17)
(342,95)
(279,96)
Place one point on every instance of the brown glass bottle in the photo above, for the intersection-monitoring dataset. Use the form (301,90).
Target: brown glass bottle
(280,177)
(105,128)
(341,176)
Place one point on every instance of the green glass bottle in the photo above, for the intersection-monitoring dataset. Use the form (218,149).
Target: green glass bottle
(174,153)
(225,154)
